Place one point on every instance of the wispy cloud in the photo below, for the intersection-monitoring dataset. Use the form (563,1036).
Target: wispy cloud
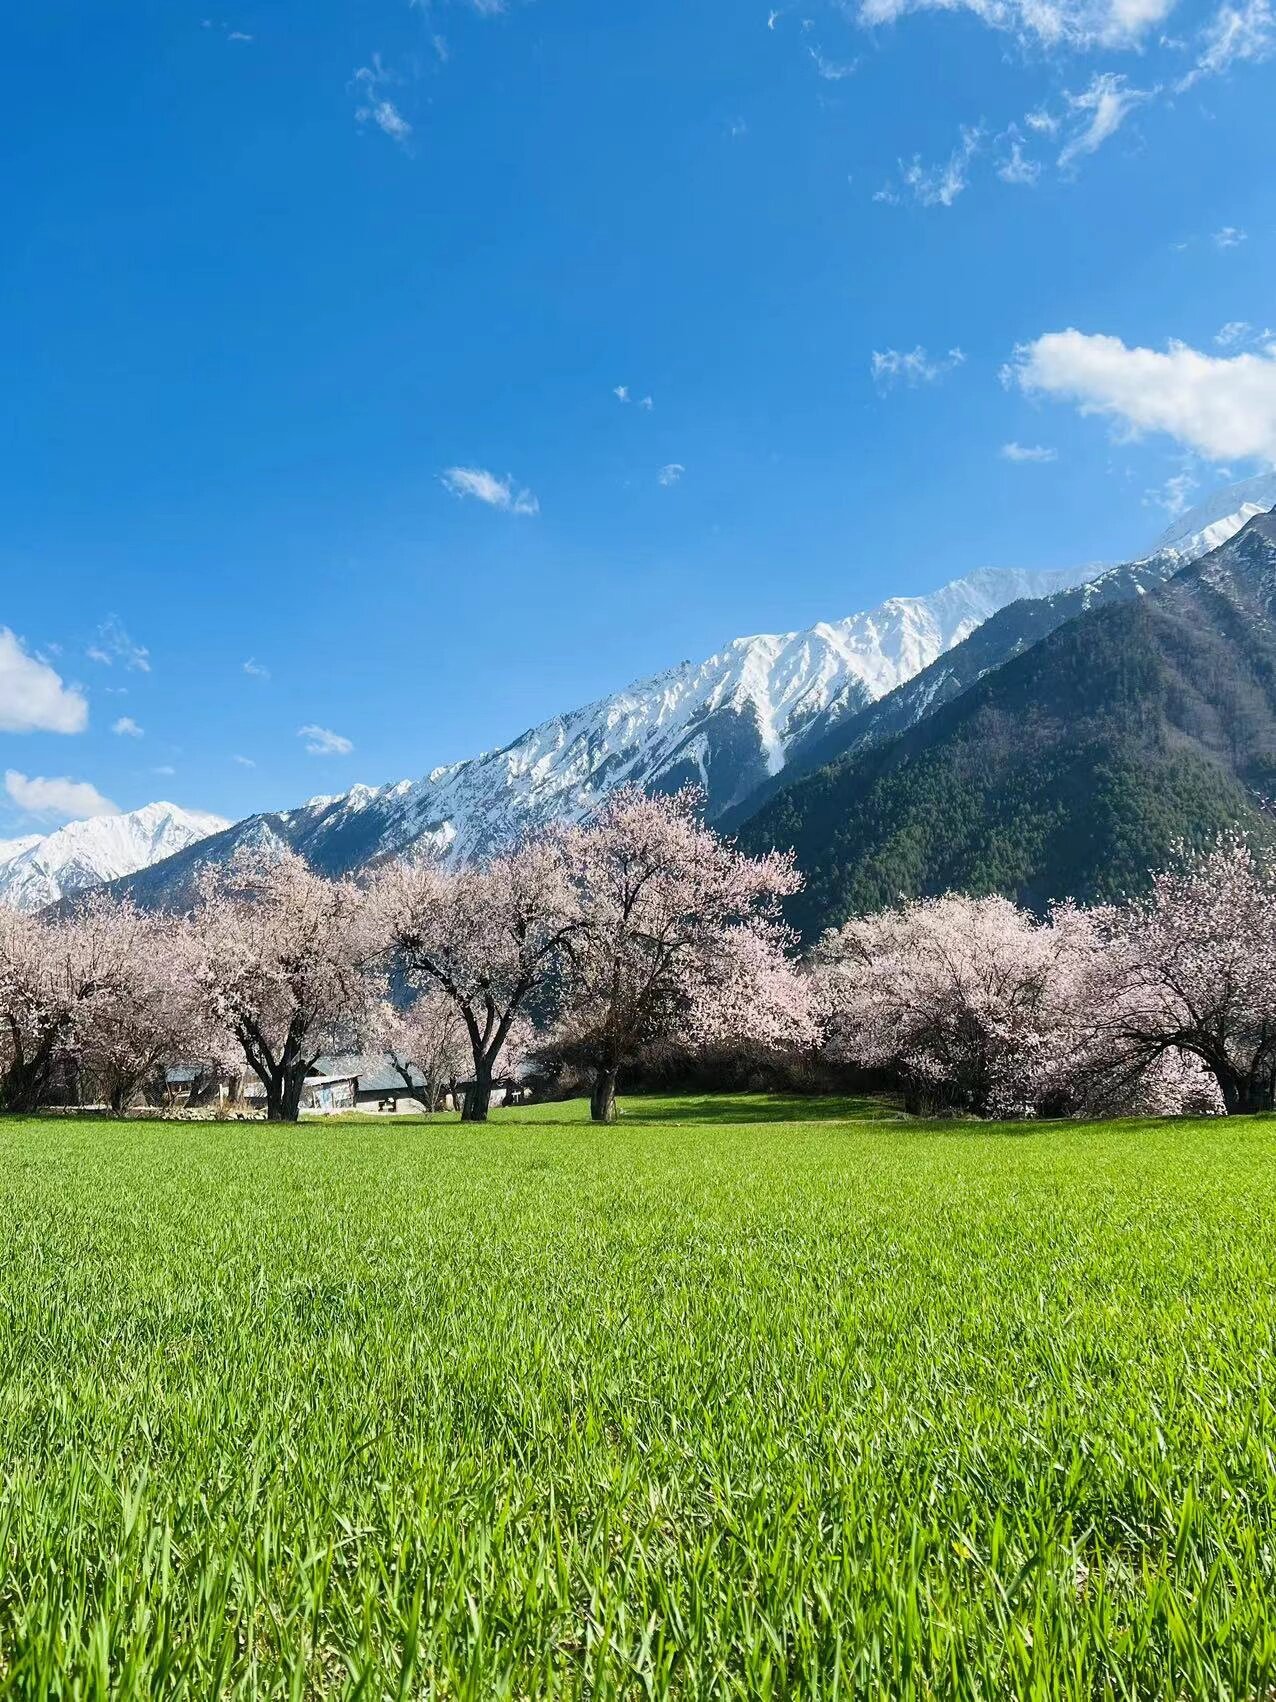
(126,727)
(832,70)
(255,669)
(1218,406)
(1098,113)
(322,741)
(1230,237)
(225,30)
(165,770)
(1051,23)
(57,799)
(246,761)
(1174,496)
(1240,334)
(670,473)
(113,645)
(1028,452)
(486,487)
(33,697)
(1233,35)
(1016,167)
(935,185)
(912,367)
(374,105)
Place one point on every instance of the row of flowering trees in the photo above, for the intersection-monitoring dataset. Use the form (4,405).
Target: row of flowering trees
(604,937)
(642,926)
(1164,1004)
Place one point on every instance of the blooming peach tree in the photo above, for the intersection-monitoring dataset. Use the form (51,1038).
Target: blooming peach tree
(680,935)
(285,962)
(489,937)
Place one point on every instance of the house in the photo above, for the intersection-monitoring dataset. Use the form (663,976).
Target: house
(379,1085)
(323,1090)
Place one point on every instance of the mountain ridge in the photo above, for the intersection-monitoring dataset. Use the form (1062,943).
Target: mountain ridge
(40,869)
(1070,770)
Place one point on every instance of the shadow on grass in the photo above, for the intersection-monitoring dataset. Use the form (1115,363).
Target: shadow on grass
(709,1108)
(755,1108)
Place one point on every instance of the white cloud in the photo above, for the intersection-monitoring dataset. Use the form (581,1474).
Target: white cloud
(376,107)
(912,367)
(71,800)
(387,118)
(1054,23)
(255,669)
(1220,406)
(33,698)
(670,473)
(113,645)
(1233,35)
(1230,237)
(1017,167)
(833,70)
(1028,452)
(1043,122)
(1235,331)
(1101,110)
(127,727)
(165,770)
(646,404)
(1174,496)
(322,741)
(938,185)
(486,487)
(244,761)
(621,392)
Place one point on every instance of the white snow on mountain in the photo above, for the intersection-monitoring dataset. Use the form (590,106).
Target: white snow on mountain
(39,869)
(726,723)
(1212,522)
(730,723)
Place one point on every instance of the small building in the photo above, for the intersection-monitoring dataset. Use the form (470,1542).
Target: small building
(323,1090)
(379,1084)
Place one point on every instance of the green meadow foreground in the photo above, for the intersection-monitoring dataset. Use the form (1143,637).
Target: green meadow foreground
(727,1401)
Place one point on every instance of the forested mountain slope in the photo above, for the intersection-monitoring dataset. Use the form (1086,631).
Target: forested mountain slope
(1069,770)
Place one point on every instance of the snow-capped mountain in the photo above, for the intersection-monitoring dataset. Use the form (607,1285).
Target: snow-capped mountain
(726,723)
(731,723)
(42,868)
(1212,522)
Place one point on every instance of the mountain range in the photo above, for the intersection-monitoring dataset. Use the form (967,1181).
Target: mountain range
(40,869)
(1068,771)
(746,723)
(728,724)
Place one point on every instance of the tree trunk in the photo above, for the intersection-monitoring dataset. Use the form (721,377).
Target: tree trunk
(283,1093)
(602,1101)
(1244,1095)
(478,1095)
(25,1086)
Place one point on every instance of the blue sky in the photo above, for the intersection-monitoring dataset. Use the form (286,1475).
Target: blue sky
(315,318)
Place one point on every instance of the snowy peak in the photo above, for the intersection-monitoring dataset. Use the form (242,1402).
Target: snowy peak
(1212,522)
(40,869)
(728,724)
(759,708)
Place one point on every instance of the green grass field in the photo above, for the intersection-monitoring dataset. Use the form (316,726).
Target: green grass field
(729,1401)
